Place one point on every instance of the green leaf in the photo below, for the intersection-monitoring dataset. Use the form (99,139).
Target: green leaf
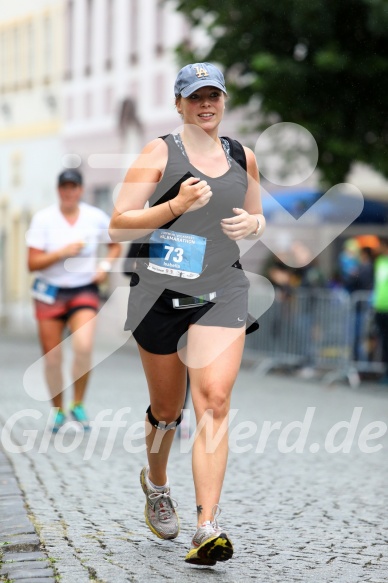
(263,62)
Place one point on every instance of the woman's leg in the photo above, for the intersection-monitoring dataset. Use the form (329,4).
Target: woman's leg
(166,378)
(50,335)
(211,388)
(82,324)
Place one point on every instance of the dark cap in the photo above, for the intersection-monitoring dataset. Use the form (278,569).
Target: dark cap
(193,77)
(70,175)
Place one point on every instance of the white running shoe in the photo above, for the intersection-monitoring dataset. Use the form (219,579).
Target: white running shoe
(210,543)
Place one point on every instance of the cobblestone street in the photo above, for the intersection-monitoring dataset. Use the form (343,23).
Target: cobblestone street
(310,514)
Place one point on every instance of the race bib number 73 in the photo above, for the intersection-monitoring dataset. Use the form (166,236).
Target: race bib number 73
(176,254)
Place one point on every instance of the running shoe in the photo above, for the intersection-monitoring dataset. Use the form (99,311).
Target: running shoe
(210,543)
(59,421)
(159,511)
(78,413)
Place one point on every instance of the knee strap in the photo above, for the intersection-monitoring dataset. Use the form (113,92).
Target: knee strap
(162,424)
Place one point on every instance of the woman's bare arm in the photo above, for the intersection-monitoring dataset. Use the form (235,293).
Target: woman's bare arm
(130,220)
(246,221)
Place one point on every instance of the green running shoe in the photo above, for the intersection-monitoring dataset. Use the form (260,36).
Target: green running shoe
(78,413)
(59,421)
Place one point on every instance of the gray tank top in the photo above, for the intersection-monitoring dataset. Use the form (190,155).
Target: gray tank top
(221,253)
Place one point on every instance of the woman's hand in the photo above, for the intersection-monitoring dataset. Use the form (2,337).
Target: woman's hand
(193,195)
(240,226)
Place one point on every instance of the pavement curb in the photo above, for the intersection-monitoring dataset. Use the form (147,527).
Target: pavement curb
(22,558)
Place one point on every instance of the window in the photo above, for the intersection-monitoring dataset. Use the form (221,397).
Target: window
(109,34)
(3,65)
(47,49)
(16,58)
(108,100)
(7,59)
(133,32)
(69,40)
(88,104)
(30,54)
(16,169)
(160,89)
(88,37)
(159,29)
(69,108)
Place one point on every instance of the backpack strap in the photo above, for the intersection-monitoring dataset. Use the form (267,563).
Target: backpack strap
(237,152)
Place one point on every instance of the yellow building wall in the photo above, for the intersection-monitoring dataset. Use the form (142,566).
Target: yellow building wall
(31,78)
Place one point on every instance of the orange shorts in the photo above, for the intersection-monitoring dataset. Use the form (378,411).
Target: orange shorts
(68,301)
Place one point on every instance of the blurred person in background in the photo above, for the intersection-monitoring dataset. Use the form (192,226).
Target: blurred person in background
(348,263)
(365,273)
(65,299)
(380,302)
(363,282)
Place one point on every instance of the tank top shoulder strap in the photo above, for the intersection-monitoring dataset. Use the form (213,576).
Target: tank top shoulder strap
(237,152)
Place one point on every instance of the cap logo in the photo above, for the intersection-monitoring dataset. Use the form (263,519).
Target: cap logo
(201,72)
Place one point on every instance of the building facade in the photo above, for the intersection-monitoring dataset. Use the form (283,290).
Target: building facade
(31,69)
(118,88)
(86,83)
(83,83)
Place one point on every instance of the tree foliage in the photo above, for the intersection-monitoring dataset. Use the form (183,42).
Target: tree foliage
(319,63)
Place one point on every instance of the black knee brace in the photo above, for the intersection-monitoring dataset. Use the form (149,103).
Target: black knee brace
(162,424)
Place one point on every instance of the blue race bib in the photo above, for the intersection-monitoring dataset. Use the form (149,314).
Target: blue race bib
(176,254)
(43,291)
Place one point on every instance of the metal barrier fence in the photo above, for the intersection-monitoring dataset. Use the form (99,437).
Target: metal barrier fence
(327,330)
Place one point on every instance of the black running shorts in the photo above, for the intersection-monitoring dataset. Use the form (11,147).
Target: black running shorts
(161,328)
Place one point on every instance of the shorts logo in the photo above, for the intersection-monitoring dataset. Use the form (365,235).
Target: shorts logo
(201,72)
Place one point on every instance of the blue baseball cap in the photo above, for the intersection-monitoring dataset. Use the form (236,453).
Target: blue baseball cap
(193,77)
